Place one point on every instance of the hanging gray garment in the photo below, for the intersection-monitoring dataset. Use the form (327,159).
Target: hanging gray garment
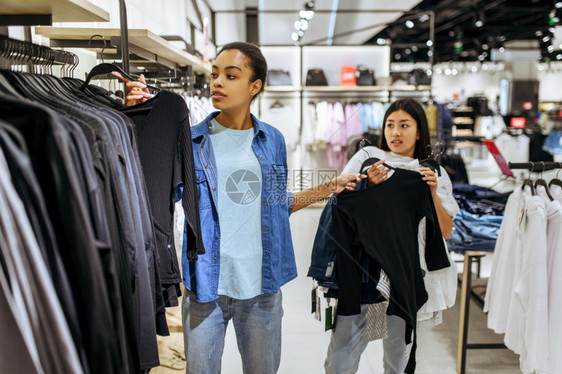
(57,352)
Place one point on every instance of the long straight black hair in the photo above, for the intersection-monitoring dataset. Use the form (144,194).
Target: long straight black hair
(415,109)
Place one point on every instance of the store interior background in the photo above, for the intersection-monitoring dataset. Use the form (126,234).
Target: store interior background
(346,33)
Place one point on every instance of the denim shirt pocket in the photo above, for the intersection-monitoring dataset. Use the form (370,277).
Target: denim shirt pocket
(203,192)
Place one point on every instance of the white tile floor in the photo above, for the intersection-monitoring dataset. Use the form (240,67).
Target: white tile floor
(305,342)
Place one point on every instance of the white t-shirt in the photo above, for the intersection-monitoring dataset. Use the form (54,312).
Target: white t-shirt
(527,318)
(554,275)
(500,282)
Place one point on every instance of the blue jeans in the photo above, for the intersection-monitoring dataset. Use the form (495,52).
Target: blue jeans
(257,323)
(347,344)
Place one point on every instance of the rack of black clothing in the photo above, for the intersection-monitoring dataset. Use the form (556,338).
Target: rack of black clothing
(39,58)
(77,233)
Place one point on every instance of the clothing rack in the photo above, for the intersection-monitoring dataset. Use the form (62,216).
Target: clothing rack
(536,166)
(18,52)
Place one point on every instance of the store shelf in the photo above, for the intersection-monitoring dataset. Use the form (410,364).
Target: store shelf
(365,88)
(60,10)
(283,88)
(141,38)
(462,109)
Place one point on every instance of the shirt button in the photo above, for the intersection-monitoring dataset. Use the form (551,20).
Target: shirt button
(215,262)
(265,203)
(266,179)
(214,188)
(216,238)
(267,253)
(206,166)
(266,229)
(261,156)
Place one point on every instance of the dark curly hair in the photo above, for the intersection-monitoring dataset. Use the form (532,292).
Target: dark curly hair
(257,61)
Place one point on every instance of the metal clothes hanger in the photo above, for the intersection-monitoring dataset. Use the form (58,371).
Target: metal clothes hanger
(542,182)
(528,182)
(105,68)
(556,181)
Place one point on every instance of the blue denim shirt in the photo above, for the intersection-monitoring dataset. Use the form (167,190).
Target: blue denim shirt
(279,267)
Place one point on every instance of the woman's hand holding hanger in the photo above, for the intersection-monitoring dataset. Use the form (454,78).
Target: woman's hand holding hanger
(430,178)
(377,173)
(137,92)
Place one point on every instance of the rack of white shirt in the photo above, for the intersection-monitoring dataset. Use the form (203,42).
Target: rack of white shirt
(524,294)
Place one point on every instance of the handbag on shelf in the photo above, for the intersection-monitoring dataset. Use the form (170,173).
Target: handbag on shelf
(365,76)
(278,77)
(418,77)
(316,77)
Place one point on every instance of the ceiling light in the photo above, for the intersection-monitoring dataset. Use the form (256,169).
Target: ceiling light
(438,71)
(295,36)
(429,43)
(479,20)
(409,24)
(424,17)
(559,56)
(397,56)
(454,71)
(414,48)
(429,72)
(304,25)
(538,33)
(485,47)
(451,33)
(407,51)
(298,25)
(558,5)
(474,69)
(550,48)
(429,53)
(447,71)
(502,49)
(481,58)
(555,19)
(546,39)
(381,41)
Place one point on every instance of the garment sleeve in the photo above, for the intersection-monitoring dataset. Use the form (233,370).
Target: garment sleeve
(348,273)
(445,193)
(189,199)
(435,252)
